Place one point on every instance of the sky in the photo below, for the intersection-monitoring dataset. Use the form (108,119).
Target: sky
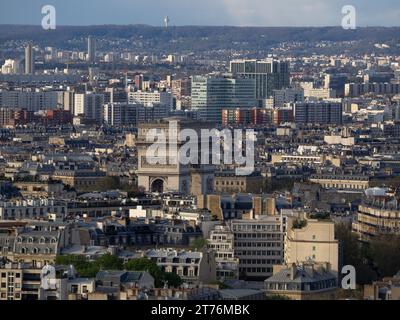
(202,12)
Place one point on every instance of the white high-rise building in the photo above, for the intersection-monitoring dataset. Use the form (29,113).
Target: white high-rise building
(148,98)
(11,66)
(89,105)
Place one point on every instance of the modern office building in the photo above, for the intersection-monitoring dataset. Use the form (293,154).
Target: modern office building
(269,75)
(131,114)
(212,94)
(319,113)
(258,245)
(245,117)
(29,59)
(91,57)
(90,106)
(336,82)
(120,114)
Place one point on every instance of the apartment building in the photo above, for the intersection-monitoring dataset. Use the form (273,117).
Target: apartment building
(89,105)
(342,182)
(32,209)
(193,267)
(221,241)
(305,281)
(258,245)
(19,281)
(313,240)
(377,215)
(36,243)
(148,98)
(229,182)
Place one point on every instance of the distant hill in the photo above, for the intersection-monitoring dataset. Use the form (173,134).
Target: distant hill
(199,37)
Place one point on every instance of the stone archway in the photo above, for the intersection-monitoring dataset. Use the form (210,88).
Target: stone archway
(157,186)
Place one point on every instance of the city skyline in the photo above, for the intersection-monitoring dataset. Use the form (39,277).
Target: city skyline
(161,152)
(210,13)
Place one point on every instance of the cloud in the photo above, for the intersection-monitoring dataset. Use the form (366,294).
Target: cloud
(284,12)
(204,12)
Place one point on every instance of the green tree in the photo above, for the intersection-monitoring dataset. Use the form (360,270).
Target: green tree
(109,262)
(83,267)
(199,243)
(172,279)
(384,253)
(144,264)
(355,254)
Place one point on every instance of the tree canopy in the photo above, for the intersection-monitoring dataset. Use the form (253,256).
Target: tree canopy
(89,269)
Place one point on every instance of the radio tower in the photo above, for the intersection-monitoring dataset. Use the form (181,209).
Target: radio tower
(166,22)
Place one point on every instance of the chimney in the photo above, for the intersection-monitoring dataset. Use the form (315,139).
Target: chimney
(293,271)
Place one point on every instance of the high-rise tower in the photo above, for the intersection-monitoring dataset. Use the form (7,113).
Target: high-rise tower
(29,59)
(91,50)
